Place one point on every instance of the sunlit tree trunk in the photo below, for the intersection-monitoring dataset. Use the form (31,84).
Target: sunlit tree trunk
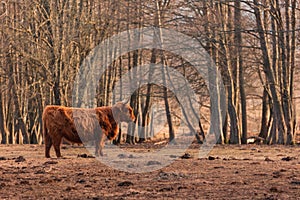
(291,137)
(278,122)
(240,68)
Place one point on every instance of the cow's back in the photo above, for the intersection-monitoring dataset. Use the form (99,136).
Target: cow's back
(74,124)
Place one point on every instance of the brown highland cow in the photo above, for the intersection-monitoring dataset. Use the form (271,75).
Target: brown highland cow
(79,125)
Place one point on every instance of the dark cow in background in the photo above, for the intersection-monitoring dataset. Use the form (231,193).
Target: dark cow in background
(78,125)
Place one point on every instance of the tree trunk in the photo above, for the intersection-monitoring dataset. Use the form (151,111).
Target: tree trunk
(278,115)
(291,137)
(167,108)
(145,110)
(19,123)
(264,115)
(2,128)
(230,74)
(240,68)
(285,65)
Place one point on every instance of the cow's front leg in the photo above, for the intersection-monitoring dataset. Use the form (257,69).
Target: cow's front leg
(97,143)
(100,145)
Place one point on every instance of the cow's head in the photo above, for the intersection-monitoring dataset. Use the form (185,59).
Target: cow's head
(123,112)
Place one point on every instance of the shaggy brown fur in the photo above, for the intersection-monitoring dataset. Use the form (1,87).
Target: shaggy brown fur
(79,125)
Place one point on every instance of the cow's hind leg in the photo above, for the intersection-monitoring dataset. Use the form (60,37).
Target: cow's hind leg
(48,144)
(56,144)
(97,144)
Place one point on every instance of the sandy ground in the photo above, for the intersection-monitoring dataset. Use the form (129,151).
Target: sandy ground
(228,172)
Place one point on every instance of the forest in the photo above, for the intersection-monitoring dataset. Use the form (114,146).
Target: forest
(253,43)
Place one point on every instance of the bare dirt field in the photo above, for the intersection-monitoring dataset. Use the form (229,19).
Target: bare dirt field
(228,172)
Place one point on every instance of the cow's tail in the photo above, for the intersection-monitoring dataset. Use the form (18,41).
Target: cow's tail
(44,126)
(47,139)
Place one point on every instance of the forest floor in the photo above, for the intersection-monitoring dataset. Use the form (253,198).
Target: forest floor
(227,172)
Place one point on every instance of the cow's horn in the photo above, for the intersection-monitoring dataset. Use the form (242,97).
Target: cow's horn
(125,101)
